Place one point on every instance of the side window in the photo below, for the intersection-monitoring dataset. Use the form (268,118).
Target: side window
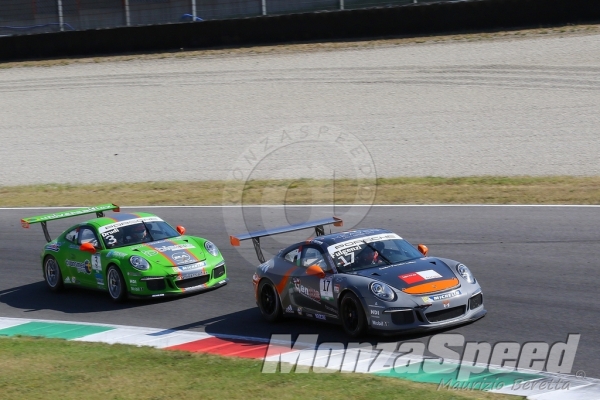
(72,236)
(292,256)
(87,235)
(313,256)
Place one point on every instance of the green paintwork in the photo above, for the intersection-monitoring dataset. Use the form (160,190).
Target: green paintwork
(172,259)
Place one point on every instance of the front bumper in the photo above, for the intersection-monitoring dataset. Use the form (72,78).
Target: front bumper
(176,284)
(462,309)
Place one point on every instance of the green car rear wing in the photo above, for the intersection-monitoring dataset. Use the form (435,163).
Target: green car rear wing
(256,235)
(42,219)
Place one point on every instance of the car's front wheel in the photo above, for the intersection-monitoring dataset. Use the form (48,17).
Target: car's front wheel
(52,274)
(268,301)
(116,284)
(352,315)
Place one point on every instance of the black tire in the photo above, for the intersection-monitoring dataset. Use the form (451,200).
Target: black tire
(352,315)
(52,274)
(117,289)
(268,301)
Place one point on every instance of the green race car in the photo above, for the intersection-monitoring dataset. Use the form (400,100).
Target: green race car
(135,254)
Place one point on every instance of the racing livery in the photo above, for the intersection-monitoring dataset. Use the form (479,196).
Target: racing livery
(136,254)
(367,279)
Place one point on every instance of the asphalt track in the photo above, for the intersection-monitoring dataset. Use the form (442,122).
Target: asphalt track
(538,267)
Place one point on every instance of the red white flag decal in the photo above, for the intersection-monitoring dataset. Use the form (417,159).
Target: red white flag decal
(415,277)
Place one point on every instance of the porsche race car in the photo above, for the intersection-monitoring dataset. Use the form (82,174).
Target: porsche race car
(366,279)
(128,254)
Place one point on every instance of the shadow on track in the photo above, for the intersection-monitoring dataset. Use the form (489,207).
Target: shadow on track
(36,297)
(250,324)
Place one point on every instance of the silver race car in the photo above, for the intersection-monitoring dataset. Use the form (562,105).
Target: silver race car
(366,279)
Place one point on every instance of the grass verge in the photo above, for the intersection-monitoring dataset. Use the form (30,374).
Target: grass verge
(36,368)
(427,190)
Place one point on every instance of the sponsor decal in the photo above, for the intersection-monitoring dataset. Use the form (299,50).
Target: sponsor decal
(190,267)
(198,287)
(420,276)
(191,275)
(443,296)
(96,264)
(67,280)
(137,289)
(164,249)
(82,267)
(396,265)
(158,295)
(375,312)
(181,257)
(114,225)
(378,323)
(446,303)
(299,310)
(116,254)
(150,253)
(307,292)
(289,309)
(361,242)
(110,232)
(320,316)
(264,267)
(309,315)
(133,281)
(53,246)
(336,289)
(134,274)
(330,309)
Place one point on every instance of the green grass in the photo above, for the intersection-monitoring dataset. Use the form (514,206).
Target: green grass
(36,368)
(425,190)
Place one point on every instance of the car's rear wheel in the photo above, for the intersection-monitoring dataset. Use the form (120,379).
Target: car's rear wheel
(117,289)
(52,274)
(352,315)
(268,301)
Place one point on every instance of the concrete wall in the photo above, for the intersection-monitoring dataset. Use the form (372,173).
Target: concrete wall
(333,25)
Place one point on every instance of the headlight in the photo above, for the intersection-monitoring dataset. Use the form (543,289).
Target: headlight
(139,263)
(383,291)
(465,273)
(211,248)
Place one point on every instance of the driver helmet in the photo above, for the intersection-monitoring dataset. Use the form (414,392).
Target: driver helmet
(379,246)
(138,232)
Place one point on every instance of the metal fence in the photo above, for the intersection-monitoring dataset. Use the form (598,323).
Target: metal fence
(41,16)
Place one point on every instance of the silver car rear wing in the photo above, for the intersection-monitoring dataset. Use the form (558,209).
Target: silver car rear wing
(256,235)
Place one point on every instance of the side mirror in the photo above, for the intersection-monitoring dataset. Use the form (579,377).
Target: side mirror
(180,229)
(315,270)
(88,247)
(423,249)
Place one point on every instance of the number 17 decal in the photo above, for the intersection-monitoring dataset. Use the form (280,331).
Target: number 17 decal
(326,289)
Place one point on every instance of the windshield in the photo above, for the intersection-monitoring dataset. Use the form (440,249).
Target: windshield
(372,251)
(137,232)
